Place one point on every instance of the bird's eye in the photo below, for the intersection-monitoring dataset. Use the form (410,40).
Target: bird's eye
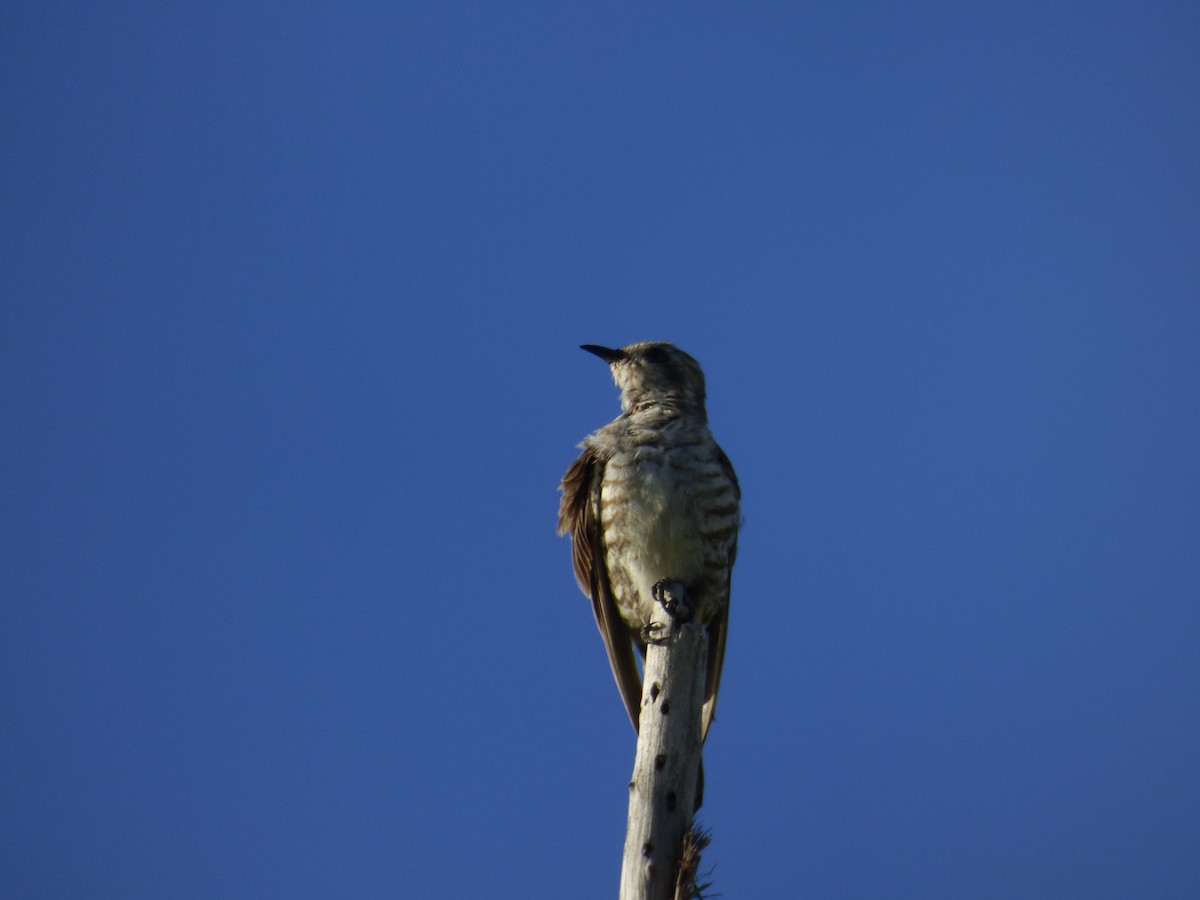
(656,355)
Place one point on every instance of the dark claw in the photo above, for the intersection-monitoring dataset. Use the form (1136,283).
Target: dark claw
(673,597)
(653,634)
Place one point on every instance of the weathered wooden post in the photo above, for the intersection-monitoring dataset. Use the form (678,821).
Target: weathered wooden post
(662,793)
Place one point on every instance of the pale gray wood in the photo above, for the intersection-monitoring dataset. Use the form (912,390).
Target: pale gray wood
(662,794)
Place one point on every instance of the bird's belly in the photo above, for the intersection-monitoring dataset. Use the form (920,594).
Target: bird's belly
(652,532)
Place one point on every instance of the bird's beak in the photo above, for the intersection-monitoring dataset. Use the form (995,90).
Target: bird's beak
(609,356)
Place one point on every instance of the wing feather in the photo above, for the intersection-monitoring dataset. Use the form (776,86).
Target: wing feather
(579,516)
(719,626)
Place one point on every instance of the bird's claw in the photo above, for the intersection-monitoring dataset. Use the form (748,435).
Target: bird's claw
(654,633)
(672,596)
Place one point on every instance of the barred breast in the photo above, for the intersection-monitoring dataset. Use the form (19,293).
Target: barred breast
(668,510)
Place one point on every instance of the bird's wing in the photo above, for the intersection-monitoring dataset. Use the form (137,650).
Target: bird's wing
(719,625)
(717,629)
(579,516)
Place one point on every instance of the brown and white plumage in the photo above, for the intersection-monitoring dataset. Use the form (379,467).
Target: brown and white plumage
(653,497)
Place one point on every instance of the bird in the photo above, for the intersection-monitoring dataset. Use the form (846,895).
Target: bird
(651,502)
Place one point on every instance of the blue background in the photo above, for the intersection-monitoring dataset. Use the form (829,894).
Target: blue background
(292,295)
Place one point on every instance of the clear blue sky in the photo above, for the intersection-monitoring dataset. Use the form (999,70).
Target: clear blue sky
(292,296)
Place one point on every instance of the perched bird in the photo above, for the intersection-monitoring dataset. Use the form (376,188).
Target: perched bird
(653,500)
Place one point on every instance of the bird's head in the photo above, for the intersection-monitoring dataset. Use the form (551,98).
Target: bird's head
(655,372)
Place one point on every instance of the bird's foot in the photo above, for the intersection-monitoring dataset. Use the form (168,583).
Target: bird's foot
(655,633)
(672,596)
